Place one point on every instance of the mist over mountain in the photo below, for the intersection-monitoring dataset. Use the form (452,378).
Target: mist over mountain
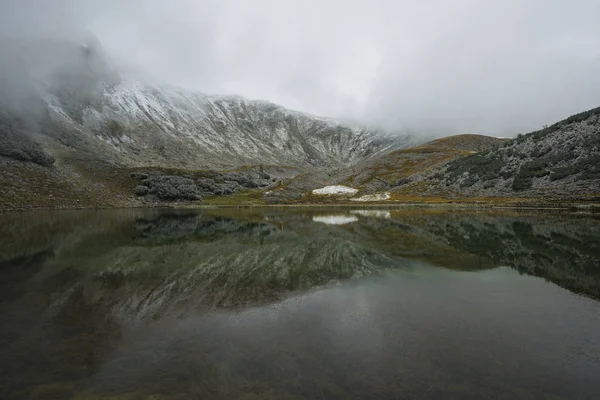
(95,106)
(290,199)
(82,101)
(498,68)
(78,126)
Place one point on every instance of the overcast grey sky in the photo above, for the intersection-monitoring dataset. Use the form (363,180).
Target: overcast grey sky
(442,66)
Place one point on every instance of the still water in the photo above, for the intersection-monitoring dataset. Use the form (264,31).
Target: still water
(299,304)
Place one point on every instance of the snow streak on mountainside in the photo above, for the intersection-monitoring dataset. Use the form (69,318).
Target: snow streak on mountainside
(93,108)
(204,131)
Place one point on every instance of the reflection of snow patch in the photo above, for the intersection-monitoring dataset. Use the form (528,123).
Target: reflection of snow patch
(335,190)
(373,213)
(373,197)
(335,219)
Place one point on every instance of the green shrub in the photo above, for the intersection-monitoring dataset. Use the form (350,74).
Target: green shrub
(405,181)
(561,173)
(540,151)
(522,183)
(141,190)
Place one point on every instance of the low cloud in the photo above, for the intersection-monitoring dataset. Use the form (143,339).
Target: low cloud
(437,67)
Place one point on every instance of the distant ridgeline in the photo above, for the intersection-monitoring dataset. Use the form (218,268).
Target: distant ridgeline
(89,133)
(559,160)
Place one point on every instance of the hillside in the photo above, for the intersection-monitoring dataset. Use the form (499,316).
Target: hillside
(558,163)
(382,172)
(465,142)
(561,160)
(89,106)
(394,168)
(161,126)
(93,137)
(86,127)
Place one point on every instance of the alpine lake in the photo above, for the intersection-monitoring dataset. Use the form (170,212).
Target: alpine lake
(299,303)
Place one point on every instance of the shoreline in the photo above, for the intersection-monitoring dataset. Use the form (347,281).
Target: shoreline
(459,205)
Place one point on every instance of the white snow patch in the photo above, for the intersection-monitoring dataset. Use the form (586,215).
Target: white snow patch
(373,197)
(335,190)
(126,139)
(335,219)
(373,213)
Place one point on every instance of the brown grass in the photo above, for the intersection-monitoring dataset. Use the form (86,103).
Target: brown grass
(402,164)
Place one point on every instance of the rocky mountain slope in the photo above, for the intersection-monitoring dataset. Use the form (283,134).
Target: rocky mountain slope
(84,122)
(389,170)
(558,163)
(93,107)
(16,143)
(162,126)
(385,171)
(560,160)
(84,135)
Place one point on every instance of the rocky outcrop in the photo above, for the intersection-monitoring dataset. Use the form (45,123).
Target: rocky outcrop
(91,107)
(100,125)
(157,186)
(397,168)
(559,160)
(17,144)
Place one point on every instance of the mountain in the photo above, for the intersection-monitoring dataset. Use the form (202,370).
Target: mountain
(137,124)
(561,163)
(145,125)
(382,172)
(85,126)
(561,160)
(388,170)
(78,133)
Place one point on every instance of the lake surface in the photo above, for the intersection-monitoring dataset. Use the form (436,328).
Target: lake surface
(299,304)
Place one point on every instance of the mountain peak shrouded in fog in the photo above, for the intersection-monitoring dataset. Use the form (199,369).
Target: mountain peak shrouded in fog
(437,67)
(70,95)
(32,65)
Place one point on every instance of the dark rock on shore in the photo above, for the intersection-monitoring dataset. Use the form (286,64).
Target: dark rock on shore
(16,143)
(158,186)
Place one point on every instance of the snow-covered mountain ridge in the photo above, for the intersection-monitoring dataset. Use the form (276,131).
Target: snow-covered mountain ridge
(92,107)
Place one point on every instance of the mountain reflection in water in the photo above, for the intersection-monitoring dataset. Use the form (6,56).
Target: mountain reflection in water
(267,304)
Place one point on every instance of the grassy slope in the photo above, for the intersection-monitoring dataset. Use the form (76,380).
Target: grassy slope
(466,142)
(78,182)
(397,166)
